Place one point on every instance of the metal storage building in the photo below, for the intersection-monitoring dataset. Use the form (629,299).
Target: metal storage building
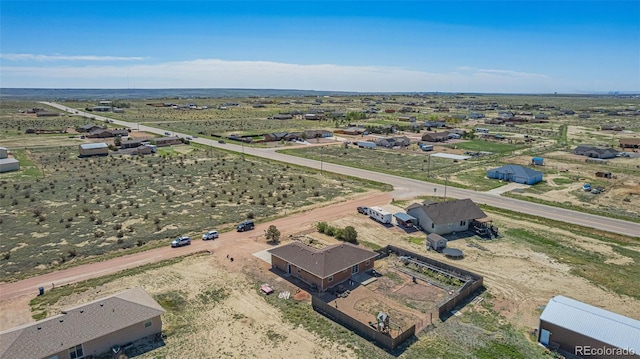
(587,331)
(93,149)
(9,164)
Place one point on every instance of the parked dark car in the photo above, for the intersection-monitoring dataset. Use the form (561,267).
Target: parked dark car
(363,210)
(245,226)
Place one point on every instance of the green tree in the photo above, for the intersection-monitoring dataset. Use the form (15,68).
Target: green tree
(349,234)
(322,227)
(272,234)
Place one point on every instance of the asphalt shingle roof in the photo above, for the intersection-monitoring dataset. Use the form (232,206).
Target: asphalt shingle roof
(323,262)
(78,325)
(451,211)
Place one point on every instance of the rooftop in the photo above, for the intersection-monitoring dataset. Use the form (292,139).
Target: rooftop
(593,322)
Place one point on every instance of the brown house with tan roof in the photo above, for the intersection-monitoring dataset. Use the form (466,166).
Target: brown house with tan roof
(322,268)
(88,330)
(630,142)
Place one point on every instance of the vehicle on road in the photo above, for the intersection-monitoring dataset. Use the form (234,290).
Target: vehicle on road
(189,138)
(245,226)
(221,141)
(213,234)
(363,210)
(181,241)
(168,133)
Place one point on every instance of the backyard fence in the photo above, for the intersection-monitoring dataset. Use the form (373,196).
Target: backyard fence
(384,340)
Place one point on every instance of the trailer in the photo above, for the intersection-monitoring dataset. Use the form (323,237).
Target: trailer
(380,215)
(426,147)
(366,144)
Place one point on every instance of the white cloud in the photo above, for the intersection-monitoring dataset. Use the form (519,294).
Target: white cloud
(58,57)
(215,73)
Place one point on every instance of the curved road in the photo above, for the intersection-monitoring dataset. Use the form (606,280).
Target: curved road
(403,187)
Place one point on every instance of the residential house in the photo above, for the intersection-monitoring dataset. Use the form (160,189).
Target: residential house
(132,143)
(611,127)
(391,142)
(630,142)
(435,124)
(595,152)
(88,330)
(101,108)
(105,133)
(275,136)
(583,330)
(318,134)
(435,136)
(445,217)
(352,130)
(282,116)
(493,121)
(313,116)
(515,173)
(166,141)
(89,128)
(46,114)
(322,268)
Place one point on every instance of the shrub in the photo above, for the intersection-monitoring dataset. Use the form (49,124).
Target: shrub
(322,227)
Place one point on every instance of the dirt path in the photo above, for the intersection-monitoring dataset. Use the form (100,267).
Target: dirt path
(14,297)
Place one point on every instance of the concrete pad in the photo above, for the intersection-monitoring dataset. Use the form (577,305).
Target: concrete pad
(264,255)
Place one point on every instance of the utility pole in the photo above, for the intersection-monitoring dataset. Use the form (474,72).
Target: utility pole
(429,166)
(321,158)
(446,181)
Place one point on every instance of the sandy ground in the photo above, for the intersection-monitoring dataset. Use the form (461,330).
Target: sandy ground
(245,325)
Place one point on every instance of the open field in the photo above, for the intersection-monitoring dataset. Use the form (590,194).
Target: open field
(62,209)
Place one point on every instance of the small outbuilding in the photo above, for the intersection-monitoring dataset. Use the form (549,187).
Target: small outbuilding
(537,161)
(436,242)
(93,149)
(515,173)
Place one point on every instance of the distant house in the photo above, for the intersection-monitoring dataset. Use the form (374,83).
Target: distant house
(89,128)
(435,124)
(166,141)
(353,130)
(475,115)
(583,330)
(275,136)
(93,149)
(494,121)
(611,127)
(101,108)
(595,152)
(46,114)
(541,116)
(515,173)
(313,116)
(282,116)
(322,268)
(391,142)
(132,143)
(630,142)
(435,136)
(89,330)
(106,133)
(318,134)
(445,217)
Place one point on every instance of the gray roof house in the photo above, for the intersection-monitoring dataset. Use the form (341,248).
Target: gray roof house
(322,268)
(88,330)
(445,217)
(575,327)
(595,152)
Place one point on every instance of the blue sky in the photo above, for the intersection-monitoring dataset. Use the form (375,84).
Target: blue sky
(446,46)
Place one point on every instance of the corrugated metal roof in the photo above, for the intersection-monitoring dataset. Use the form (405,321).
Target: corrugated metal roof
(593,322)
(93,146)
(404,217)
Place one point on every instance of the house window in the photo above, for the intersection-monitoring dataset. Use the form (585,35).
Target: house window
(76,352)
(298,270)
(462,223)
(367,262)
(147,324)
(330,278)
(432,225)
(354,269)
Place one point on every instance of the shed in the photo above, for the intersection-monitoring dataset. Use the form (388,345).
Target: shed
(537,161)
(436,242)
(574,327)
(515,173)
(405,220)
(3,153)
(93,149)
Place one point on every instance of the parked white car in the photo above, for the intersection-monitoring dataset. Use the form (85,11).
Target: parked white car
(181,241)
(210,235)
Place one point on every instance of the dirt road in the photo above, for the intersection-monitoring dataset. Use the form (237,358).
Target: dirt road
(229,242)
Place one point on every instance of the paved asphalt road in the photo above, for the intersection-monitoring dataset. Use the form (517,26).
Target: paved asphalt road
(404,187)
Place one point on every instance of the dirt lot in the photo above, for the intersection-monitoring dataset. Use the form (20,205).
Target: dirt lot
(243,324)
